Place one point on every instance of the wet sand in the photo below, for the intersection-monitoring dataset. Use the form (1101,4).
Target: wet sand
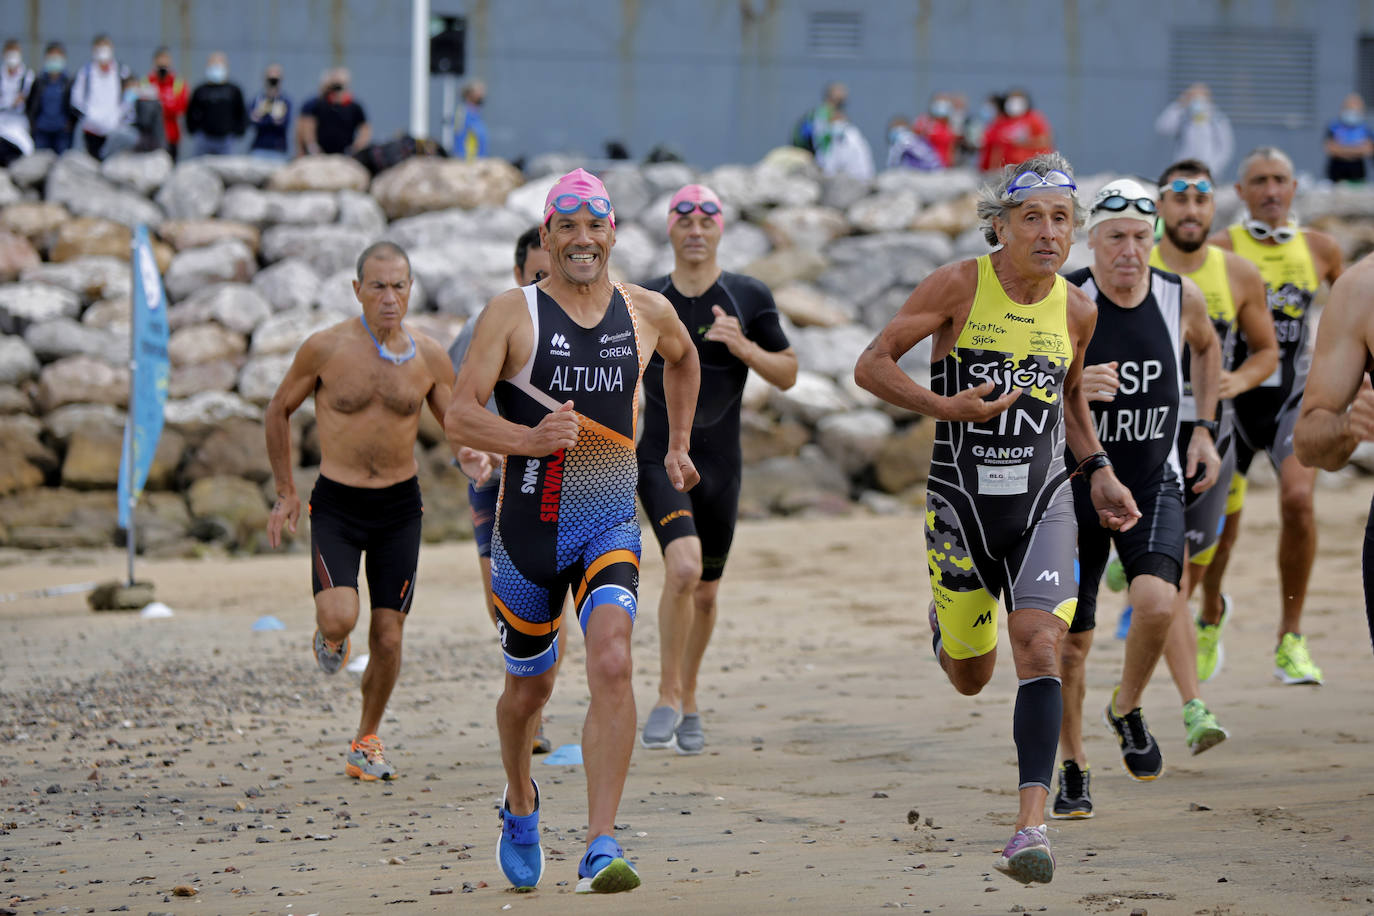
(843,774)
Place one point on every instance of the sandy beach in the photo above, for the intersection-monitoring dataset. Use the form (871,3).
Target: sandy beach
(843,774)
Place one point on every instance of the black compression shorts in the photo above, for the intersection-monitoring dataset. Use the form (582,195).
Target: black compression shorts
(707,511)
(384,523)
(1152,547)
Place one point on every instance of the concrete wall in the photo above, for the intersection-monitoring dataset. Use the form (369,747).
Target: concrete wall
(724,80)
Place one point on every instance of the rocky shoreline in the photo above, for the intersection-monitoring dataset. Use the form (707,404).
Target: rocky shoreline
(256,255)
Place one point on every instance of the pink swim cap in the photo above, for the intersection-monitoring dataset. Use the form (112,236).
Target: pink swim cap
(581,183)
(695,193)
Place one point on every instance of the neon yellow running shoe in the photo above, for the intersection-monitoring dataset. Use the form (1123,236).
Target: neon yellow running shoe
(1203,729)
(1210,654)
(1292,664)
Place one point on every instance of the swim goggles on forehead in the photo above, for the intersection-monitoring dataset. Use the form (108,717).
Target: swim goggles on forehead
(600,207)
(1260,230)
(684,207)
(1115,203)
(1031,181)
(1179,185)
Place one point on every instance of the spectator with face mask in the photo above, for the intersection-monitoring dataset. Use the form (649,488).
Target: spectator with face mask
(935,127)
(333,122)
(1348,142)
(49,103)
(1016,135)
(1198,128)
(98,94)
(217,116)
(174,96)
(270,115)
(16,82)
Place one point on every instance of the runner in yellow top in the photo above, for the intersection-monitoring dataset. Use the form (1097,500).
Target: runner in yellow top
(1235,299)
(1008,337)
(1293,263)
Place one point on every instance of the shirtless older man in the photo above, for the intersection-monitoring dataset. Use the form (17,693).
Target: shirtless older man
(370,379)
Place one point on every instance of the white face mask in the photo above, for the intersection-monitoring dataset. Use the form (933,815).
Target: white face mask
(13,59)
(104,54)
(1016,106)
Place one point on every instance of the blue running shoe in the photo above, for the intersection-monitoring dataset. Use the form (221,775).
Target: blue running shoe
(1123,625)
(518,852)
(604,869)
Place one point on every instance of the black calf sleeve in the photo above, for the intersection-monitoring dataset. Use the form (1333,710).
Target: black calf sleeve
(1035,729)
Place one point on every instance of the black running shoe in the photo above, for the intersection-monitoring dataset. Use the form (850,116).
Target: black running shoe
(1073,800)
(1139,752)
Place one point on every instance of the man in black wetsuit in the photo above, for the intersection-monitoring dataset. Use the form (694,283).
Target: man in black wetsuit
(1134,385)
(735,327)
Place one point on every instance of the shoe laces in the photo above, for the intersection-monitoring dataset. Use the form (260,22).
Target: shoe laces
(372,749)
(1296,651)
(1134,723)
(1075,781)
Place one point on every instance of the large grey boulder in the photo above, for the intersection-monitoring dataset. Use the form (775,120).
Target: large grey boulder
(228,261)
(203,343)
(320,173)
(852,440)
(435,266)
(301,207)
(807,227)
(634,254)
(434,229)
(216,375)
(236,306)
(741,245)
(244,204)
(467,293)
(202,412)
(51,340)
(63,422)
(629,189)
(830,351)
(82,380)
(260,376)
(813,396)
(248,170)
(287,284)
(141,172)
(360,211)
(24,303)
(285,331)
(31,170)
(931,187)
(192,192)
(75,182)
(325,248)
(9,194)
(17,362)
(884,212)
(91,277)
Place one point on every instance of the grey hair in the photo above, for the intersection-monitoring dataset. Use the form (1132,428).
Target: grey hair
(993,205)
(382,250)
(1260,154)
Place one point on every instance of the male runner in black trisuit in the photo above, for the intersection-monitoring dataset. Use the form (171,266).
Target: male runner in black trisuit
(735,327)
(1133,380)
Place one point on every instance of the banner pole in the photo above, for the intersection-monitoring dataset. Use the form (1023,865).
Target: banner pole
(128,457)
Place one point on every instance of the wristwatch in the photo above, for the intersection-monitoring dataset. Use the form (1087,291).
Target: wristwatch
(1210,425)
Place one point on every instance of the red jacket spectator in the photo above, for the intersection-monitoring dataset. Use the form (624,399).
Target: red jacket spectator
(1016,135)
(940,136)
(172,92)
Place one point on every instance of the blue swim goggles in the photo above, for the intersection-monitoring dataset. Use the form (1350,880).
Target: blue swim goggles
(386,354)
(599,207)
(1031,181)
(1179,185)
